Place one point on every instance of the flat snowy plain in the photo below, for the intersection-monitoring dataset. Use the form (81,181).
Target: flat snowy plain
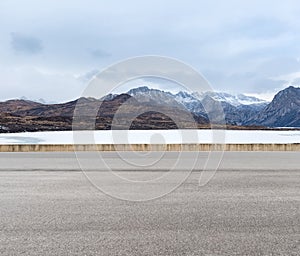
(152,136)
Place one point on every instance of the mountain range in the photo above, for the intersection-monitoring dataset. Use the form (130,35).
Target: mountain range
(238,109)
(145,108)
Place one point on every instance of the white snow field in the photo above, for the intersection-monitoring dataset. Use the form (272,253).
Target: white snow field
(152,136)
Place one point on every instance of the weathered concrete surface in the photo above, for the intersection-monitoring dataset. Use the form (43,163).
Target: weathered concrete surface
(148,147)
(237,213)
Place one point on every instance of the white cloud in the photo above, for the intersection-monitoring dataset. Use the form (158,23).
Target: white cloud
(268,96)
(35,83)
(289,78)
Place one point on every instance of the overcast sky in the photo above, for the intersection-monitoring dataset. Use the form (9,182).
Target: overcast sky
(50,49)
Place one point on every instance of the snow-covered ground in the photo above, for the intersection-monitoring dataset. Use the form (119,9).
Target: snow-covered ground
(151,136)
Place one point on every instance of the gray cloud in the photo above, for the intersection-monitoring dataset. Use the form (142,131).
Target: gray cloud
(98,53)
(88,75)
(26,44)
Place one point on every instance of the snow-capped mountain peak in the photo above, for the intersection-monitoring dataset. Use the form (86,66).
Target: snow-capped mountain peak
(234,100)
(185,97)
(193,100)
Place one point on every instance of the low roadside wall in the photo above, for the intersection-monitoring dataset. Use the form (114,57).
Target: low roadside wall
(149,147)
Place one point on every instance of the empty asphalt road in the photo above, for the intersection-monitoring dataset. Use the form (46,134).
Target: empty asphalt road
(251,206)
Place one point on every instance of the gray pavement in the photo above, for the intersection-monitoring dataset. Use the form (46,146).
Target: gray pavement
(252,210)
(54,161)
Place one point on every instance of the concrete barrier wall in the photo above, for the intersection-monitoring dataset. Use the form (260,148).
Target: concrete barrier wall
(150,147)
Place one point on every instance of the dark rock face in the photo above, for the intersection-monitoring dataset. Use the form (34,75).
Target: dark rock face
(240,115)
(283,111)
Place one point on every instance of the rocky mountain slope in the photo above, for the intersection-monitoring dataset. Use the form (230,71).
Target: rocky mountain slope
(283,111)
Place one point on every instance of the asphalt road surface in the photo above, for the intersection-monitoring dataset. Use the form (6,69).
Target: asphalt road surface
(54,161)
(251,206)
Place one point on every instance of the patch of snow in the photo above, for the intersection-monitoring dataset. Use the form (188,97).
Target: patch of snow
(184,97)
(235,100)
